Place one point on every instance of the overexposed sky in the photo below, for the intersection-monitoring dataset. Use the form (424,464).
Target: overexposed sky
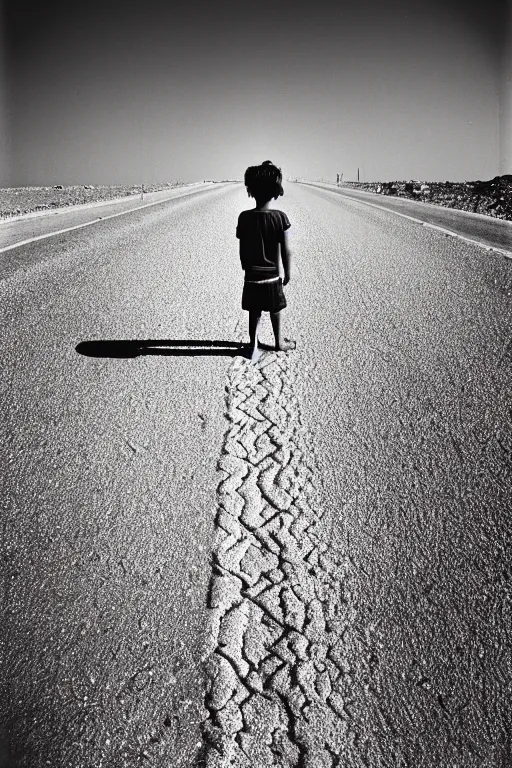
(505,98)
(110,93)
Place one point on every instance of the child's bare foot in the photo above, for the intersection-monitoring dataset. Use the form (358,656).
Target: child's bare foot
(255,353)
(252,353)
(285,345)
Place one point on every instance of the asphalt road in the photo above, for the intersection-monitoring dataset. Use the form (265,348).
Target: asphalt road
(38,225)
(494,233)
(109,482)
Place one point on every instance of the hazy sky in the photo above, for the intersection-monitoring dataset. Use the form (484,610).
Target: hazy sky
(109,92)
(505,99)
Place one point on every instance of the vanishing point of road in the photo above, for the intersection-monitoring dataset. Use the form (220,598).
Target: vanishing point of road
(304,562)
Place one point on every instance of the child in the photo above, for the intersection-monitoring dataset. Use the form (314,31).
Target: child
(262,233)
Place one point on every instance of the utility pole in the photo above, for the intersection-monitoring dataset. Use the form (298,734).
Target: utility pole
(142,191)
(358,174)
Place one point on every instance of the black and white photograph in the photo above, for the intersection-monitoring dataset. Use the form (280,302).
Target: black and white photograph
(256,384)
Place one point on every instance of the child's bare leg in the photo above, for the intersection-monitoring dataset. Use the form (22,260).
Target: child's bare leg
(282,345)
(254,325)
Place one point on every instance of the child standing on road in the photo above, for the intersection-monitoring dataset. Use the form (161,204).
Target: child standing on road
(262,234)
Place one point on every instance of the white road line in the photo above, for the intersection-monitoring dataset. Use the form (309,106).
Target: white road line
(507,254)
(50,212)
(94,221)
(502,251)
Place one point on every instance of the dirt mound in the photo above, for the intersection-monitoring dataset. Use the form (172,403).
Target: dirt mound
(492,198)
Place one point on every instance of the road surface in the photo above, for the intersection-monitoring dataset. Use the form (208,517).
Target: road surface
(300,563)
(490,232)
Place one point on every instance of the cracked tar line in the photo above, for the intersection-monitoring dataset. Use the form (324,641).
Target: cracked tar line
(276,685)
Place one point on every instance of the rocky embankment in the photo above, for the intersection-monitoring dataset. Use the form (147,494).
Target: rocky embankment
(16,201)
(492,198)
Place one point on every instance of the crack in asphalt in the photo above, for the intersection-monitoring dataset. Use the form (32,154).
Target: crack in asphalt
(277,687)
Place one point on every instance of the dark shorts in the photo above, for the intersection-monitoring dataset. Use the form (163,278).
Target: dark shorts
(264,297)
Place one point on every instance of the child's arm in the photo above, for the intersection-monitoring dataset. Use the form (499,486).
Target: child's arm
(239,236)
(286,259)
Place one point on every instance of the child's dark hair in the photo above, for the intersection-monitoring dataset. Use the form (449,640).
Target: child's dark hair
(264,181)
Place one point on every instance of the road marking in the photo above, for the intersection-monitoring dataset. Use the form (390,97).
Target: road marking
(94,221)
(50,212)
(507,254)
(502,251)
(280,603)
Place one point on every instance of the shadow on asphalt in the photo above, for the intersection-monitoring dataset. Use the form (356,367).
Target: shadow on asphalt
(124,348)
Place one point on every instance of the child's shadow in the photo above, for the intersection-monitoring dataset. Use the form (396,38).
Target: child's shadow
(124,348)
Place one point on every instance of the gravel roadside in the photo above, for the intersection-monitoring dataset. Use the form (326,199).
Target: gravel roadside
(16,201)
(492,198)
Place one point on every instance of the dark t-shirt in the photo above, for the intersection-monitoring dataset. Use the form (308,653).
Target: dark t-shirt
(260,233)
